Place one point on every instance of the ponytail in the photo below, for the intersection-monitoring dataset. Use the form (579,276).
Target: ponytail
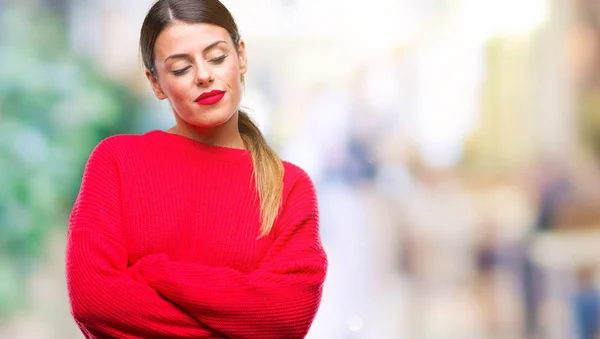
(268,172)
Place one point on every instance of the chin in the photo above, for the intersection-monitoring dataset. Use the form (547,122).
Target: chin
(209,122)
(207,118)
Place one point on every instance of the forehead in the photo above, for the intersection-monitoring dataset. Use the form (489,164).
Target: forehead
(182,37)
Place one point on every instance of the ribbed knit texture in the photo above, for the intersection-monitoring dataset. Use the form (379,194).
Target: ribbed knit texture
(162,243)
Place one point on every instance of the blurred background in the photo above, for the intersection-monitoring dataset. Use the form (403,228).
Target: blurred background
(454,144)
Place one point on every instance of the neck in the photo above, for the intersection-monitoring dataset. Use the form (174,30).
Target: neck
(224,135)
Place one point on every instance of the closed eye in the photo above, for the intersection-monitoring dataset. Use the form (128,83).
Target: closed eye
(181,71)
(219,60)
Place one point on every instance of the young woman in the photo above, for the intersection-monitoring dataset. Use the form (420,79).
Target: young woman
(200,231)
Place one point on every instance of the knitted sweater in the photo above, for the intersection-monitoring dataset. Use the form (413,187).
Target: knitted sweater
(163,243)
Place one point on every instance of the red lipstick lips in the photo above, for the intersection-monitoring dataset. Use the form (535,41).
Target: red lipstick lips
(210,98)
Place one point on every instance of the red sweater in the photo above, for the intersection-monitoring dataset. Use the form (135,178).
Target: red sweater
(162,243)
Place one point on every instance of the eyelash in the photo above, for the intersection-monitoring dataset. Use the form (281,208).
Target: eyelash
(216,60)
(219,60)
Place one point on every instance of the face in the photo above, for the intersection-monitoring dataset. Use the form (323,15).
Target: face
(198,69)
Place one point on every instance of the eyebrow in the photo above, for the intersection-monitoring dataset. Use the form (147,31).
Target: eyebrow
(206,49)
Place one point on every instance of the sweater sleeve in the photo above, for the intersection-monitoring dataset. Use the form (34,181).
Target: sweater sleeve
(105,300)
(278,300)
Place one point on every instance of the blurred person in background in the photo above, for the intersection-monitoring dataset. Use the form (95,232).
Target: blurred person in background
(200,231)
(554,188)
(586,305)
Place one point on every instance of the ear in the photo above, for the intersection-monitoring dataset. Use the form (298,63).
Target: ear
(242,57)
(155,85)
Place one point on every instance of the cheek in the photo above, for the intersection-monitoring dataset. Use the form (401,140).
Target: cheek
(177,89)
(230,75)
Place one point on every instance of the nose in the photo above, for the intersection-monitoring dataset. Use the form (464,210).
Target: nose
(204,75)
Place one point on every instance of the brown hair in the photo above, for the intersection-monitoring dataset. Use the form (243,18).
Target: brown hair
(268,169)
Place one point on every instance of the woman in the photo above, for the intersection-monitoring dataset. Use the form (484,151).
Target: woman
(200,231)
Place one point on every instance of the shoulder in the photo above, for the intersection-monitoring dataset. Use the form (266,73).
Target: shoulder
(122,145)
(295,175)
(299,199)
(113,153)
(297,185)
(119,143)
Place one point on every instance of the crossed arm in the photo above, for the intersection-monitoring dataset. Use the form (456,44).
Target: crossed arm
(105,300)
(157,297)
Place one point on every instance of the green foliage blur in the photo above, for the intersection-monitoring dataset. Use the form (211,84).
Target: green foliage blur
(54,108)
